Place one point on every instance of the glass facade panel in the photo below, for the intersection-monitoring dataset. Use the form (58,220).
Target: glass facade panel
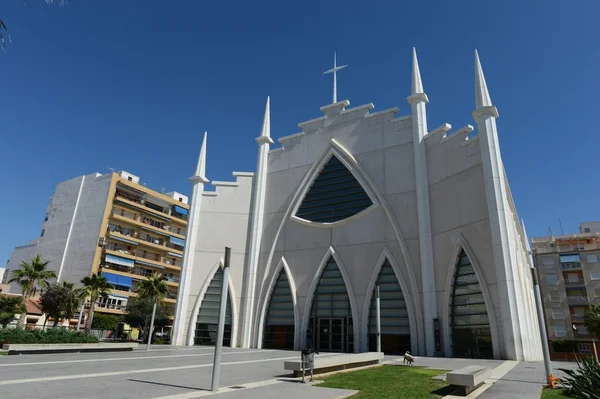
(395,327)
(279,323)
(208,315)
(330,326)
(469,323)
(334,195)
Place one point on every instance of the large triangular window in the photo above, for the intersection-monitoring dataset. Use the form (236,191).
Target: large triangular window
(334,195)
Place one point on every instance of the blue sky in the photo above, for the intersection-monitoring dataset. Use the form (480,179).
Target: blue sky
(133,85)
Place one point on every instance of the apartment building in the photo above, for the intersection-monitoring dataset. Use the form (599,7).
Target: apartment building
(569,269)
(113,225)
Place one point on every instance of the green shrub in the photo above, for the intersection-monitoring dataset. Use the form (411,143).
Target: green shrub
(52,336)
(105,322)
(564,345)
(584,381)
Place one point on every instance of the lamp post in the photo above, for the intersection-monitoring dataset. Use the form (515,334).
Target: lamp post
(221,326)
(540,317)
(378,307)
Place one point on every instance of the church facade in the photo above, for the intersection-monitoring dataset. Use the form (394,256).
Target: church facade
(358,200)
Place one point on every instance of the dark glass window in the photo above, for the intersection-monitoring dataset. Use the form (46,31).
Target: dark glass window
(334,195)
(395,328)
(469,323)
(208,315)
(330,327)
(279,324)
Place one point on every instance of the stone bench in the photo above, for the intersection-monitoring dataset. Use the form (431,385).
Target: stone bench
(329,362)
(22,349)
(469,378)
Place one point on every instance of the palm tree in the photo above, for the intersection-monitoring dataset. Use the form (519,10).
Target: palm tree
(153,289)
(29,276)
(95,287)
(73,299)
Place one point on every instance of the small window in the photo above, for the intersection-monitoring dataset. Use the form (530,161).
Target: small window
(593,258)
(560,330)
(43,231)
(548,262)
(586,230)
(129,178)
(573,277)
(595,275)
(180,199)
(584,347)
(582,329)
(558,314)
(551,279)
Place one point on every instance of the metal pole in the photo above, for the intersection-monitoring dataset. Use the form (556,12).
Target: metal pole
(151,324)
(541,323)
(80,314)
(378,307)
(220,331)
(595,351)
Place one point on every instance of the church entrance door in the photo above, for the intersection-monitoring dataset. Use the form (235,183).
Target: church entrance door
(331,335)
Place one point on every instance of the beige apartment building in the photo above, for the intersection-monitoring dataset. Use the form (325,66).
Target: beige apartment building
(569,269)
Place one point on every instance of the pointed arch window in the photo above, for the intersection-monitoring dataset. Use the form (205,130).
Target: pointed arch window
(208,315)
(334,195)
(330,327)
(469,323)
(279,323)
(395,327)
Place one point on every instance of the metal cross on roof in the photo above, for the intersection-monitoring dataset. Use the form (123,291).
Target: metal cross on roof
(334,72)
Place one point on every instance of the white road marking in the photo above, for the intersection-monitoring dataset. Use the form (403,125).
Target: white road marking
(125,372)
(112,359)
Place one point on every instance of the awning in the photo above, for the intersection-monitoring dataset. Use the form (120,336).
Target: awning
(174,254)
(116,279)
(148,264)
(181,210)
(164,233)
(177,241)
(117,260)
(117,238)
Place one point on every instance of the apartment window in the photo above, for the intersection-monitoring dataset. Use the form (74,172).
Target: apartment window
(573,277)
(551,279)
(584,347)
(566,258)
(548,262)
(593,258)
(42,233)
(595,275)
(554,296)
(558,314)
(560,330)
(129,178)
(180,199)
(582,329)
(597,292)
(586,230)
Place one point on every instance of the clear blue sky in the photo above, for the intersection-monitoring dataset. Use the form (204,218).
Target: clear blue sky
(133,85)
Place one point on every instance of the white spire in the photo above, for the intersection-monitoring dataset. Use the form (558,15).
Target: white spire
(417,84)
(200,175)
(482,96)
(334,71)
(265,133)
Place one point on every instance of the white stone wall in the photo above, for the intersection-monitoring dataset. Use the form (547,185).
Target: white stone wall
(224,218)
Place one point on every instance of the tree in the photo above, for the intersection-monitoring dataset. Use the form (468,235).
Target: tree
(105,322)
(591,320)
(61,301)
(95,287)
(29,276)
(153,290)
(9,307)
(138,310)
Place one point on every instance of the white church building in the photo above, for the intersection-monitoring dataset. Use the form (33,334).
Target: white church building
(359,199)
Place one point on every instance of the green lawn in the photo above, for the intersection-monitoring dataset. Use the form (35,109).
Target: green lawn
(553,393)
(390,382)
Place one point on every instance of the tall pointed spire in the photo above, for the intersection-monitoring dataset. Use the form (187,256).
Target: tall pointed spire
(265,133)
(200,175)
(482,96)
(417,84)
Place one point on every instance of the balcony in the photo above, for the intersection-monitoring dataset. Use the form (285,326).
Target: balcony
(570,266)
(575,317)
(109,306)
(573,283)
(577,300)
(149,208)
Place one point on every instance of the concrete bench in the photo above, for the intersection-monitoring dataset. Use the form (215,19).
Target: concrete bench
(329,362)
(469,378)
(22,349)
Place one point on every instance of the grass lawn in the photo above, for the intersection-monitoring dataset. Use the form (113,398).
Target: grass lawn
(390,382)
(553,393)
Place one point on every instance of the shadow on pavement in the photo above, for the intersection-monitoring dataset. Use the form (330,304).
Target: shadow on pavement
(168,385)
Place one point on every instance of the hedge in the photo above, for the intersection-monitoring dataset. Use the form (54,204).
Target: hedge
(51,336)
(564,345)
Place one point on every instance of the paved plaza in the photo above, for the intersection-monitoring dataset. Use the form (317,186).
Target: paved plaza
(185,373)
